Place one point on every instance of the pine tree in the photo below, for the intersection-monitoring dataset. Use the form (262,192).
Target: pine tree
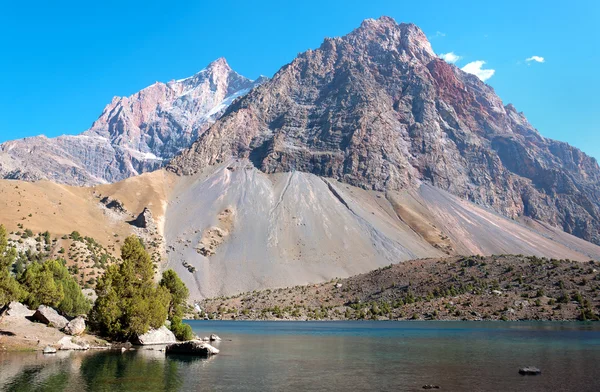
(9,287)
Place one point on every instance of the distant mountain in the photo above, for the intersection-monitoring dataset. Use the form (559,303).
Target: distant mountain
(133,135)
(378,109)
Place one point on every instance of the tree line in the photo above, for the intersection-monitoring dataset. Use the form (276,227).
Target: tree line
(129,302)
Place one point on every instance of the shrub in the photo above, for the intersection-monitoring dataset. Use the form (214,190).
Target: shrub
(51,284)
(181,330)
(9,287)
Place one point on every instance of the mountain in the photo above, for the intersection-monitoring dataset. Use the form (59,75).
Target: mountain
(365,152)
(379,110)
(133,134)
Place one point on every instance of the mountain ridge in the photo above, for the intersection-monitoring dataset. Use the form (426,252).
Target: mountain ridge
(134,134)
(379,110)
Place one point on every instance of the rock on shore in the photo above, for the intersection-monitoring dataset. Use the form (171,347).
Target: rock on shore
(156,336)
(47,315)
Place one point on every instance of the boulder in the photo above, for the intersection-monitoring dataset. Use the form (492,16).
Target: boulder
(206,339)
(530,370)
(68,343)
(214,338)
(145,220)
(193,347)
(49,316)
(17,309)
(156,336)
(75,327)
(49,350)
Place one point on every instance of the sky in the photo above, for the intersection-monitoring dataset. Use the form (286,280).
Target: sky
(63,61)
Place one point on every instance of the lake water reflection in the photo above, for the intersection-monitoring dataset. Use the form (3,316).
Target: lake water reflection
(318,356)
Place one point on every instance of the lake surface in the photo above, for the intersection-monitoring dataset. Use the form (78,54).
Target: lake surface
(334,356)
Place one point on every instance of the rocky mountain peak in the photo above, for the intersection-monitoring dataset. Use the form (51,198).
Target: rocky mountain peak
(134,134)
(377,109)
(384,34)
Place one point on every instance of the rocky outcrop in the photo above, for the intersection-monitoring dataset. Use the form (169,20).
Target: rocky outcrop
(156,336)
(134,134)
(75,327)
(193,347)
(378,109)
(49,316)
(145,220)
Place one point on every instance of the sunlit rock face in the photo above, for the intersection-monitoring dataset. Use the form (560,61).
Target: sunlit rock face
(133,134)
(378,109)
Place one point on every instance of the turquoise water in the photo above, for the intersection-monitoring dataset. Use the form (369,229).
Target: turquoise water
(335,356)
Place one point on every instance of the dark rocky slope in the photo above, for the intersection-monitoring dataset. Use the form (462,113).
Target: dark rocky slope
(377,109)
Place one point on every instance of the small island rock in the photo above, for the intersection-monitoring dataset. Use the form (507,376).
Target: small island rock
(530,370)
(214,338)
(192,347)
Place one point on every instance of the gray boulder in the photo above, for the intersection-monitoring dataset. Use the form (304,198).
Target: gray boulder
(214,338)
(530,370)
(68,343)
(193,347)
(17,309)
(75,327)
(156,336)
(49,350)
(49,316)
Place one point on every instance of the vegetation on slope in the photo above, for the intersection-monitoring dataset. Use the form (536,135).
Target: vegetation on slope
(460,288)
(130,303)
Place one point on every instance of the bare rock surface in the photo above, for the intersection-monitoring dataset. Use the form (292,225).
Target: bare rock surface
(75,327)
(71,343)
(161,335)
(133,134)
(17,309)
(49,316)
(379,110)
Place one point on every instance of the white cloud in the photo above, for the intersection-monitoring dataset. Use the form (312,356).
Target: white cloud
(475,69)
(537,59)
(438,34)
(450,57)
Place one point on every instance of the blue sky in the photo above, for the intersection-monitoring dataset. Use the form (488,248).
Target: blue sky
(62,62)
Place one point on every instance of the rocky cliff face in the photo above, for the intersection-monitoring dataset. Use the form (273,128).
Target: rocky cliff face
(379,110)
(133,135)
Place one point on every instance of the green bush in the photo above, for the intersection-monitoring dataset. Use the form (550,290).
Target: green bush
(181,330)
(9,287)
(51,284)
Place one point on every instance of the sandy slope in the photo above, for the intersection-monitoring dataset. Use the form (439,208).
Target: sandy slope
(233,228)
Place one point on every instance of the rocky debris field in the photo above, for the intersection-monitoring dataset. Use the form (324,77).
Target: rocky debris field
(508,287)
